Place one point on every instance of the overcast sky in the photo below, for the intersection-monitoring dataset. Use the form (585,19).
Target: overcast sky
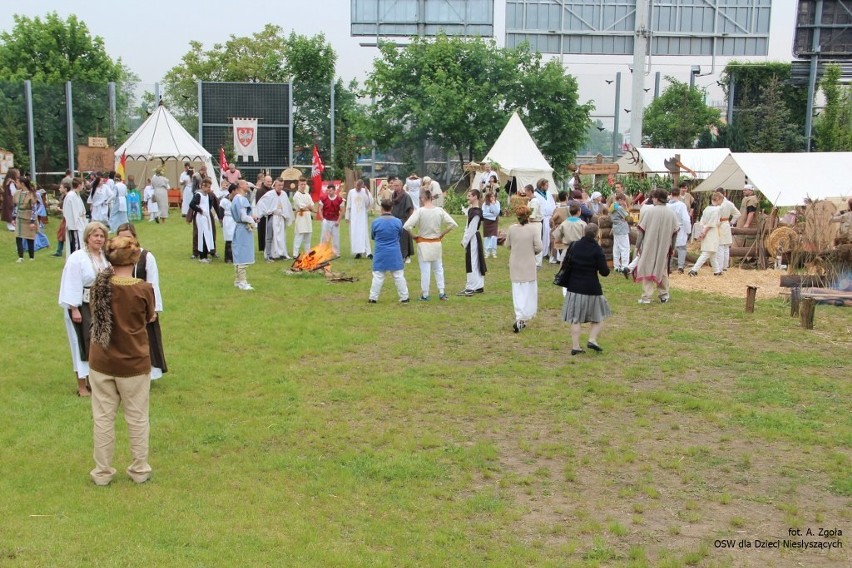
(151,36)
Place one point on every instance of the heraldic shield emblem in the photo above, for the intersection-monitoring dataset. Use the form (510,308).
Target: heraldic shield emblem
(245,136)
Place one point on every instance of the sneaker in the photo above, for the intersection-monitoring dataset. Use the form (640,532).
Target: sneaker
(246,286)
(193,257)
(522,324)
(717,274)
(57,254)
(442,297)
(32,260)
(465,292)
(358,256)
(424,298)
(405,301)
(408,260)
(693,274)
(372,301)
(204,260)
(644,301)
(594,346)
(480,290)
(680,270)
(664,299)
(626,272)
(516,328)
(20,260)
(370,256)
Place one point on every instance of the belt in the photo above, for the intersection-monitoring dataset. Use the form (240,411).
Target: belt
(725,219)
(427,239)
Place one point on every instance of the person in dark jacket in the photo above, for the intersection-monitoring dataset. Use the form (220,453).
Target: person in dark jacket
(585,302)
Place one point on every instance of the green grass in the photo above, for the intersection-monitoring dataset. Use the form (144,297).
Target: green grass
(300,426)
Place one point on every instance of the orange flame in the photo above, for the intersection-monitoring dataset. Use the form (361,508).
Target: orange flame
(314,258)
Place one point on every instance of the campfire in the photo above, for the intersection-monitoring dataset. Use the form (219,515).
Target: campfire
(318,258)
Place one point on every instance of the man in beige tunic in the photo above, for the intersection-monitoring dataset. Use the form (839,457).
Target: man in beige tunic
(430,224)
(654,245)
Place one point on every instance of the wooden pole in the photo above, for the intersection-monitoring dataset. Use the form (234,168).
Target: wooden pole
(806,313)
(751,295)
(795,296)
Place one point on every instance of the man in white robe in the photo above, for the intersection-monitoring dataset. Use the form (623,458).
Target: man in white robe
(358,203)
(430,224)
(545,208)
(202,207)
(303,207)
(74,213)
(275,207)
(185,183)
(678,206)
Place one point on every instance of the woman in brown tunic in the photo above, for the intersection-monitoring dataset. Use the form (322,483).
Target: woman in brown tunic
(120,360)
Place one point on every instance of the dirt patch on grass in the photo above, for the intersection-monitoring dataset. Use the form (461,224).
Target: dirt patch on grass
(732,283)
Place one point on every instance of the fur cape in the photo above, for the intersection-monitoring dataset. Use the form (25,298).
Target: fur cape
(100,304)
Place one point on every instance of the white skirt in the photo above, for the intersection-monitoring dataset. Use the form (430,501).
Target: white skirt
(525,299)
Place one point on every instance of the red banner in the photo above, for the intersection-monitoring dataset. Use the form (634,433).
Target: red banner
(316,175)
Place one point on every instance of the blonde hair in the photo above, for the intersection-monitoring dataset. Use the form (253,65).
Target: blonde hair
(91,228)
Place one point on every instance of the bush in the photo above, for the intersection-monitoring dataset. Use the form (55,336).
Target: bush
(454,200)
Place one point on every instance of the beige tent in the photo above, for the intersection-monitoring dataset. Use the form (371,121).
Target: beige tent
(786,179)
(162,141)
(516,154)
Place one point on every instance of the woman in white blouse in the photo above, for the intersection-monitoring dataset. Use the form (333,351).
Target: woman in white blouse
(80,271)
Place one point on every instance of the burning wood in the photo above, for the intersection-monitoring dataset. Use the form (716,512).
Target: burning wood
(317,258)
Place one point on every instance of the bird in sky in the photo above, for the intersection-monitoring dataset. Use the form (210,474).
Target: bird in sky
(627,111)
(608,82)
(600,128)
(648,89)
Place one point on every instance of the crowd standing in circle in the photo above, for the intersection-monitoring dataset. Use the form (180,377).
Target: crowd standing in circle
(95,263)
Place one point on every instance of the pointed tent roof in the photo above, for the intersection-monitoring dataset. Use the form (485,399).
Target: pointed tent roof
(162,136)
(518,155)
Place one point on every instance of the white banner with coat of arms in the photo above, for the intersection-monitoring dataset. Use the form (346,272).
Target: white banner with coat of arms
(245,138)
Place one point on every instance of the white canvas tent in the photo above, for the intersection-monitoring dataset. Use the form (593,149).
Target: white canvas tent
(786,179)
(162,141)
(703,161)
(516,155)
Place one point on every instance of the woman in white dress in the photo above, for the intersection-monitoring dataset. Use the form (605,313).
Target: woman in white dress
(80,271)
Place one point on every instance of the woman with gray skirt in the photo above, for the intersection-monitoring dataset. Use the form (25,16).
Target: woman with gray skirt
(585,302)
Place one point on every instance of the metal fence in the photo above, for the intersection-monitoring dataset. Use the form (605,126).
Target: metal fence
(45,124)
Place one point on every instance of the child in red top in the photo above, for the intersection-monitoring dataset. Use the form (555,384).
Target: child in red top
(330,205)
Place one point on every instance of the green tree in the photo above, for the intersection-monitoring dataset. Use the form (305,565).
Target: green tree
(49,52)
(749,84)
(678,116)
(270,56)
(776,131)
(459,93)
(833,127)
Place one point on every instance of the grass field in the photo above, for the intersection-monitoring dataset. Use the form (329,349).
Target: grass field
(300,426)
